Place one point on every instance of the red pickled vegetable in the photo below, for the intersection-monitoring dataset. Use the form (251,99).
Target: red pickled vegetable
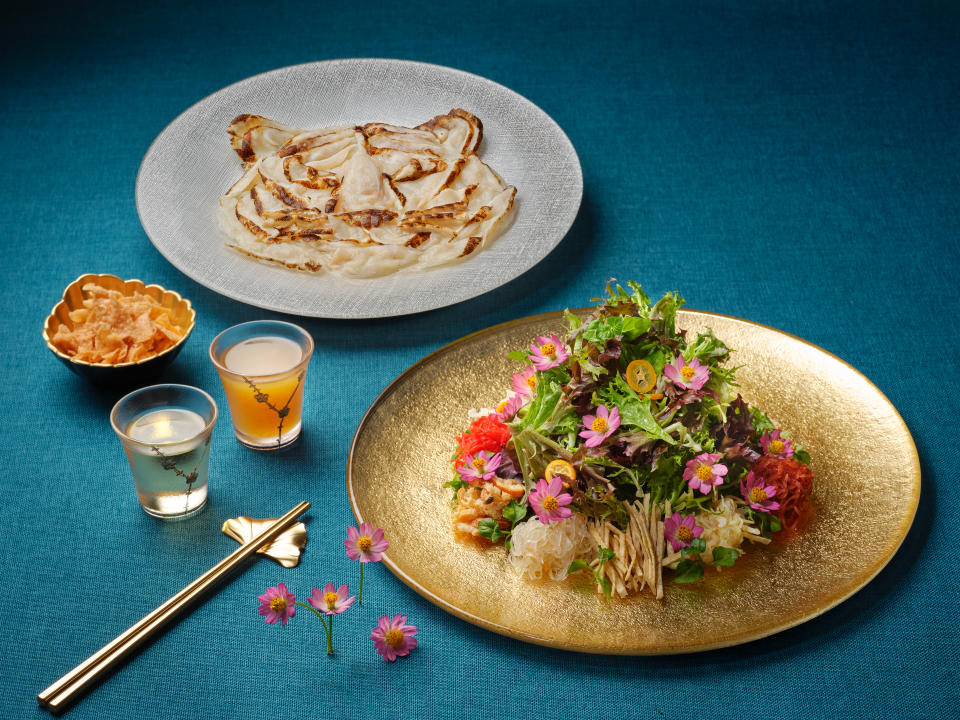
(793,481)
(486,433)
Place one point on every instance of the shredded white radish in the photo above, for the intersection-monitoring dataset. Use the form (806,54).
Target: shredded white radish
(538,551)
(724,529)
(474,414)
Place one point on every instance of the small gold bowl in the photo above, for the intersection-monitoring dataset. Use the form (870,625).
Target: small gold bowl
(127,373)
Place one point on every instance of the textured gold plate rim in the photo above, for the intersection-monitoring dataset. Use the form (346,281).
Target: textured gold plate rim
(114,282)
(914,473)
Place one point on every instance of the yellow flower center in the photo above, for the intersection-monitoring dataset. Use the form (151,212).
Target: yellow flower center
(687,372)
(684,534)
(394,637)
(278,604)
(550,503)
(479,463)
(502,405)
(364,543)
(757,494)
(704,473)
(532,382)
(776,446)
(599,425)
(548,350)
(330,599)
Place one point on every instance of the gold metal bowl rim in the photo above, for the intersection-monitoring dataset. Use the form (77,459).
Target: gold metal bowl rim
(915,473)
(141,286)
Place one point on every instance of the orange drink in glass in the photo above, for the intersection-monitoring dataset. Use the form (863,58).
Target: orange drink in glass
(263,368)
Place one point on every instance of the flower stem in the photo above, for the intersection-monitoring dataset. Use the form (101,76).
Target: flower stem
(360,594)
(328,631)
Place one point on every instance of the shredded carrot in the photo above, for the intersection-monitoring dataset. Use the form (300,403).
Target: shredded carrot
(486,433)
(793,481)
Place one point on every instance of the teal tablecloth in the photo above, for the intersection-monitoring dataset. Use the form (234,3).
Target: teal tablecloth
(790,163)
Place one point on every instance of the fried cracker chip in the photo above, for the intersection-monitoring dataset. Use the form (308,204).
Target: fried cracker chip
(114,328)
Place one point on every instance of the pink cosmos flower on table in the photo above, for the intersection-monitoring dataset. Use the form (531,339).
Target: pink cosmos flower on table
(525,383)
(600,426)
(774,444)
(680,530)
(687,375)
(757,493)
(330,601)
(277,603)
(480,466)
(704,472)
(549,502)
(394,638)
(506,409)
(365,544)
(547,352)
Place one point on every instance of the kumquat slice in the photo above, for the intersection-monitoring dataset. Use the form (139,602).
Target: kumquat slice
(640,376)
(560,468)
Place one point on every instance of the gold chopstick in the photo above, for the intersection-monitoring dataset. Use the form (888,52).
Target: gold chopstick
(61,693)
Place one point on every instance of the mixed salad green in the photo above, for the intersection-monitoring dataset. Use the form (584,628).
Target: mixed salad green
(624,406)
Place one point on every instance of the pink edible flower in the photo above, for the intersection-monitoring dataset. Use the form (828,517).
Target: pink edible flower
(600,426)
(688,375)
(506,409)
(525,383)
(704,472)
(480,466)
(547,352)
(680,530)
(277,603)
(365,544)
(549,502)
(758,494)
(775,445)
(394,638)
(330,601)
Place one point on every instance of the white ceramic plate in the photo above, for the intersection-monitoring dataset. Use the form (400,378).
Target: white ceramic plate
(190,165)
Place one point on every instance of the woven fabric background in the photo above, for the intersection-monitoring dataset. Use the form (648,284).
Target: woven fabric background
(794,164)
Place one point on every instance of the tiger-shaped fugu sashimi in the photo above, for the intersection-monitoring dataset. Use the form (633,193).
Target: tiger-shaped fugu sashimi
(362,201)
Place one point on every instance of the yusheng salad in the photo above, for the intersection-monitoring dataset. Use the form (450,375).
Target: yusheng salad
(624,448)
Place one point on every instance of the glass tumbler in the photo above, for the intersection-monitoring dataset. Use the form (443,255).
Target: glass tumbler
(165,431)
(263,368)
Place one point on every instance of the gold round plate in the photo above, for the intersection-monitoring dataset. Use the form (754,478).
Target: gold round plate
(866,490)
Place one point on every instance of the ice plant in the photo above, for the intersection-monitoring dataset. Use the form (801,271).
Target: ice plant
(758,494)
(687,375)
(480,466)
(680,530)
(394,638)
(366,545)
(547,352)
(549,502)
(525,383)
(704,472)
(600,426)
(506,409)
(277,603)
(774,444)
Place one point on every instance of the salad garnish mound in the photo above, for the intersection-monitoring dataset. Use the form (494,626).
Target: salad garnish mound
(623,448)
